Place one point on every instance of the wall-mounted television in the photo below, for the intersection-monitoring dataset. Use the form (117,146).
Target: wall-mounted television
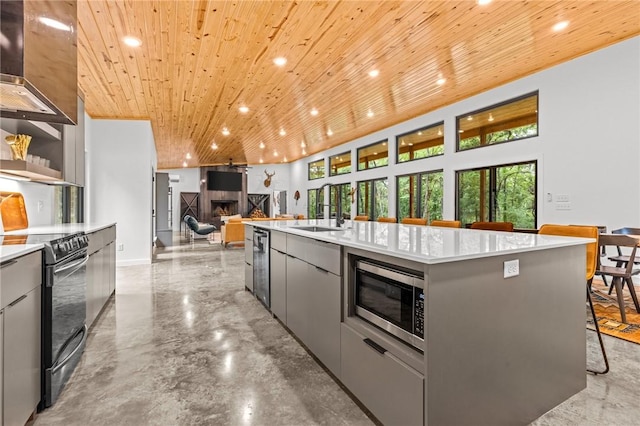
(224,181)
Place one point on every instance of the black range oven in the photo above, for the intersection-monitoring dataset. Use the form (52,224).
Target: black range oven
(390,298)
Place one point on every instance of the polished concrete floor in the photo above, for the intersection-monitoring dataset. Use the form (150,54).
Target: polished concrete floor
(182,343)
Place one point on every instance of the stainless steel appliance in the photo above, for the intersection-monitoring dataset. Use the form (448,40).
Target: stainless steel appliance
(391,298)
(261,283)
(64,307)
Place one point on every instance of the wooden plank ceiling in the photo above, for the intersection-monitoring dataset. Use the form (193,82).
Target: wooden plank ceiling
(201,60)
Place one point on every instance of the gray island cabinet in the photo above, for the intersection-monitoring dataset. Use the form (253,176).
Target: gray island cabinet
(501,346)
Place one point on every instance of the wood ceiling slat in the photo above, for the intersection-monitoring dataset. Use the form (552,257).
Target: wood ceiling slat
(201,59)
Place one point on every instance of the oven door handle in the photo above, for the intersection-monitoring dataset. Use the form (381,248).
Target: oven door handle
(57,365)
(75,265)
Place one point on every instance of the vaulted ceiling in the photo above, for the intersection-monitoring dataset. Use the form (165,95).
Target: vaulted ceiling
(200,61)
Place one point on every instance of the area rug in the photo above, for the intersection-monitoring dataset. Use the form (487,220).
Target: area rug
(608,313)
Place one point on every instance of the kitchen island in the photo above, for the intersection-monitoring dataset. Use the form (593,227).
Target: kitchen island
(504,317)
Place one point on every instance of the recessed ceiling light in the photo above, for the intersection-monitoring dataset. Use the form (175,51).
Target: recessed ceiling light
(244,109)
(560,26)
(410,144)
(184,164)
(261,161)
(303,145)
(375,153)
(282,132)
(132,41)
(370,114)
(484,2)
(439,132)
(314,112)
(460,131)
(441,81)
(280,61)
(214,146)
(275,153)
(329,132)
(490,117)
(419,133)
(469,118)
(55,24)
(384,144)
(304,151)
(225,131)
(188,156)
(402,143)
(284,160)
(374,73)
(261,146)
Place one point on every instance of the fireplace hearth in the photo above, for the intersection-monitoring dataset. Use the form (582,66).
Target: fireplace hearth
(224,207)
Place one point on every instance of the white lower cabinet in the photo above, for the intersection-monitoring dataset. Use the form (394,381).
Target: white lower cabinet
(389,388)
(278,280)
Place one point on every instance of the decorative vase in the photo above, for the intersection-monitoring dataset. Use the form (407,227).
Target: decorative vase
(19,145)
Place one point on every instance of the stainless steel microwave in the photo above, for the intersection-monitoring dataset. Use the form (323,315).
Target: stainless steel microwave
(391,299)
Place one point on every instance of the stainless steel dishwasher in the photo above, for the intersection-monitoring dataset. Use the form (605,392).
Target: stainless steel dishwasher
(261,284)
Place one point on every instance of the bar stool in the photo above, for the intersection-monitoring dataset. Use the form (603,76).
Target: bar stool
(414,221)
(446,223)
(361,218)
(387,219)
(493,226)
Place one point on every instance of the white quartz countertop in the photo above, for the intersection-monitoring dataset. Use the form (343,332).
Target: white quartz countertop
(60,228)
(13,251)
(426,244)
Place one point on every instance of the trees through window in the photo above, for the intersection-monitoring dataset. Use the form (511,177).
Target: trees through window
(420,195)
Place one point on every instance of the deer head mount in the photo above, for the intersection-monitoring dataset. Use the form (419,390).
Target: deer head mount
(267,181)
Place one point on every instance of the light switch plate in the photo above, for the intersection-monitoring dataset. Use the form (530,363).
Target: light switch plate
(511,268)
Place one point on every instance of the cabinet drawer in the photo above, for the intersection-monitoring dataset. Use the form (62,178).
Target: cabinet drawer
(373,377)
(248,252)
(325,256)
(96,241)
(248,277)
(109,235)
(298,247)
(248,232)
(19,276)
(279,241)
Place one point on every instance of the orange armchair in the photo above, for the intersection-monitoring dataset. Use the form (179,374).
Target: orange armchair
(233,232)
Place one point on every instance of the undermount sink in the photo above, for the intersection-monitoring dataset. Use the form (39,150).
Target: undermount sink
(317,228)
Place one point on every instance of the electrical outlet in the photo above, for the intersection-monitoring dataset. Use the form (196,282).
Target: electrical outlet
(562,198)
(563,206)
(549,197)
(120,247)
(40,205)
(511,268)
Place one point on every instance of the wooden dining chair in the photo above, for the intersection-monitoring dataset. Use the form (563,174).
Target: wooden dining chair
(621,274)
(493,226)
(592,262)
(446,223)
(387,219)
(361,218)
(622,260)
(414,221)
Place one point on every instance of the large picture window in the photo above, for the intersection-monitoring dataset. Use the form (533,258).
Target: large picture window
(340,164)
(69,204)
(372,156)
(421,143)
(316,170)
(509,121)
(340,199)
(315,198)
(505,193)
(420,195)
(373,198)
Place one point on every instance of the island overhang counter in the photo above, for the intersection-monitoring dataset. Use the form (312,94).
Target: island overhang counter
(504,318)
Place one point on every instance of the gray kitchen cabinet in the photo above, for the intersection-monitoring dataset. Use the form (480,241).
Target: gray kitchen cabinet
(248,257)
(248,277)
(375,376)
(278,272)
(100,271)
(73,149)
(21,305)
(324,312)
(297,298)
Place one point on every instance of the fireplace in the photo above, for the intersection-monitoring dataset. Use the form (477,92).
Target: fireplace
(224,207)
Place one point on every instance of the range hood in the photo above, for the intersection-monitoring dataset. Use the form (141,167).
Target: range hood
(39,67)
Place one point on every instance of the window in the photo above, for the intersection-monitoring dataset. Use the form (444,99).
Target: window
(372,156)
(509,121)
(316,169)
(420,195)
(505,193)
(421,143)
(373,198)
(315,199)
(340,164)
(69,204)
(340,197)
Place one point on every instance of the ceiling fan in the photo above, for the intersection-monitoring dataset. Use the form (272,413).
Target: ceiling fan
(237,166)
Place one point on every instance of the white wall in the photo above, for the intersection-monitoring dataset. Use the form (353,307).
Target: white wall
(189,182)
(38,199)
(121,162)
(588,145)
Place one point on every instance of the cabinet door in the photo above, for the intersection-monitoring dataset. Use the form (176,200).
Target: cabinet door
(324,324)
(248,277)
(112,268)
(93,284)
(278,272)
(393,391)
(298,298)
(22,357)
